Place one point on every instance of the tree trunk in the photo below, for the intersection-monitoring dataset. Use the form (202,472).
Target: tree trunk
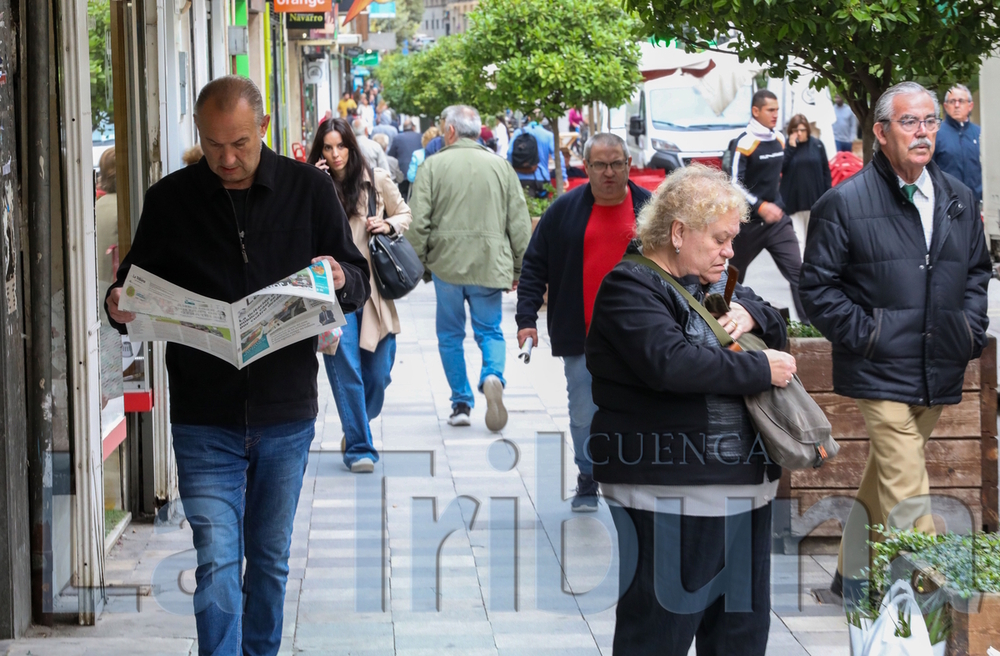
(591,125)
(556,156)
(866,118)
(867,121)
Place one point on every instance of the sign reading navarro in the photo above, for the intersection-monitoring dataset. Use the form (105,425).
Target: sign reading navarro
(306,21)
(303,6)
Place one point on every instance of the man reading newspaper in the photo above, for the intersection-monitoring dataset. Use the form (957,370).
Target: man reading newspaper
(237,221)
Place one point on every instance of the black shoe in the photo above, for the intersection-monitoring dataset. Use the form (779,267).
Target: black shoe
(837,585)
(460,415)
(849,591)
(585,499)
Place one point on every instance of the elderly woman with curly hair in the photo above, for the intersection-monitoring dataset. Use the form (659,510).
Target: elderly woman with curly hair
(685,472)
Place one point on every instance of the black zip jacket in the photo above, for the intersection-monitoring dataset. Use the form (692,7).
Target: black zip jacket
(757,166)
(653,383)
(805,175)
(555,258)
(904,322)
(189,235)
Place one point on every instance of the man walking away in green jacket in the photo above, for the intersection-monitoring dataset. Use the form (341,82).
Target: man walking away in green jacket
(470,228)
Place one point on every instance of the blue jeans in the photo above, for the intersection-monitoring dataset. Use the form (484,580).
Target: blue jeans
(240,487)
(581,409)
(358,379)
(486,312)
(844,146)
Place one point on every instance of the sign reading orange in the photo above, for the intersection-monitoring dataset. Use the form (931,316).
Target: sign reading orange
(303,6)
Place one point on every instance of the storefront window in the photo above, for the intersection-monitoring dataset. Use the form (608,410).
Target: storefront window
(106,210)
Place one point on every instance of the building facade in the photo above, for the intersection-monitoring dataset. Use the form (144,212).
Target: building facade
(458,15)
(101,93)
(435,19)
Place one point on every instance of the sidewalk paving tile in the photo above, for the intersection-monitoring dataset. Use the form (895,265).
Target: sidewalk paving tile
(449,581)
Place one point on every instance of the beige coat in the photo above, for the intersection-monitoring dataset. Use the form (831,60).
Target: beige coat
(379,317)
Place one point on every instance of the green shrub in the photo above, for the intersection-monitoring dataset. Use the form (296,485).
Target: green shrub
(969,563)
(799,329)
(536,205)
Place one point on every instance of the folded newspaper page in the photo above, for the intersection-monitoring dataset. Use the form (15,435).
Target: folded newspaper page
(301,306)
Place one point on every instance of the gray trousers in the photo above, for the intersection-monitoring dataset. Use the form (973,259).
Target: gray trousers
(779,240)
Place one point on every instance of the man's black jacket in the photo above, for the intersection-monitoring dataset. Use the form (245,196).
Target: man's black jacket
(189,235)
(555,257)
(904,322)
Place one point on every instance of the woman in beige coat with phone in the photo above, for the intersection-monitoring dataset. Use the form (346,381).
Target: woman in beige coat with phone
(359,366)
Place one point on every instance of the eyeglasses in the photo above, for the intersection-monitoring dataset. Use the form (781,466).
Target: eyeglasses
(600,167)
(909,124)
(957,101)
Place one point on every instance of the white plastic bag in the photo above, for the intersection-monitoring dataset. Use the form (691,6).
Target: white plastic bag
(881,639)
(858,635)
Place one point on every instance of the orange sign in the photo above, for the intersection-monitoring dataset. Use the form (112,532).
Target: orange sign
(356,9)
(303,6)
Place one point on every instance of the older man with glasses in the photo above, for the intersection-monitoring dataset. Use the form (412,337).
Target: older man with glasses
(579,239)
(895,277)
(957,150)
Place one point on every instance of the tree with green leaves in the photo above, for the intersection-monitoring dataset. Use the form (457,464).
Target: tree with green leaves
(425,82)
(102,111)
(409,13)
(548,57)
(858,47)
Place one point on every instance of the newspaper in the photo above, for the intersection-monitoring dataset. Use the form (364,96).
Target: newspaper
(301,306)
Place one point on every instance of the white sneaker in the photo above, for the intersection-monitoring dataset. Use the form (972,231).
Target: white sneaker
(363,466)
(496,414)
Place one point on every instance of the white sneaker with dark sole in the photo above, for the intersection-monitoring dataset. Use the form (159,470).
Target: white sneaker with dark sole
(363,466)
(496,413)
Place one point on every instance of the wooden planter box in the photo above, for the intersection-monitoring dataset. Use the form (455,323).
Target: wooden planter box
(961,454)
(975,621)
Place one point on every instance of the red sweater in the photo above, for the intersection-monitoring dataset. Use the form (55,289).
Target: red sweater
(609,231)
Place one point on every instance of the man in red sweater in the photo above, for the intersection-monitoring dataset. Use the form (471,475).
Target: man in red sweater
(579,239)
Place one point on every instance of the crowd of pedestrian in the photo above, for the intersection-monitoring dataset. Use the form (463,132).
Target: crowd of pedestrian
(890,265)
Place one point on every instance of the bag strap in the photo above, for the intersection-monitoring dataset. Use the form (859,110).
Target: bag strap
(372,200)
(720,333)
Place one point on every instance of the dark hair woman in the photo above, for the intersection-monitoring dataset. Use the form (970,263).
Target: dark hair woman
(359,366)
(672,442)
(805,175)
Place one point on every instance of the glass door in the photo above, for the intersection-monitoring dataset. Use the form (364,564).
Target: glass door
(107,202)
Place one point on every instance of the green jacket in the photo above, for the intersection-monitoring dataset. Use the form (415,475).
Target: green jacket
(470,221)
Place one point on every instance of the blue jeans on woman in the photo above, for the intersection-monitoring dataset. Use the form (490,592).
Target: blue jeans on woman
(358,379)
(486,312)
(240,487)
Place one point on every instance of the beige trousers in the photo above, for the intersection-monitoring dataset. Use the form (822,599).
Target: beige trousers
(800,224)
(895,480)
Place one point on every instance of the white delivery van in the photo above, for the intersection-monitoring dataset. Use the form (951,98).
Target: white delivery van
(691,105)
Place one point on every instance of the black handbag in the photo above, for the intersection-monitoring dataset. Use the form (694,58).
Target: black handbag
(395,264)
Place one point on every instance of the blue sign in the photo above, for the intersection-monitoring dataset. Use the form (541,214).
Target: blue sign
(379,9)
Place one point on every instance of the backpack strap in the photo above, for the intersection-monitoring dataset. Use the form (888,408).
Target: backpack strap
(720,333)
